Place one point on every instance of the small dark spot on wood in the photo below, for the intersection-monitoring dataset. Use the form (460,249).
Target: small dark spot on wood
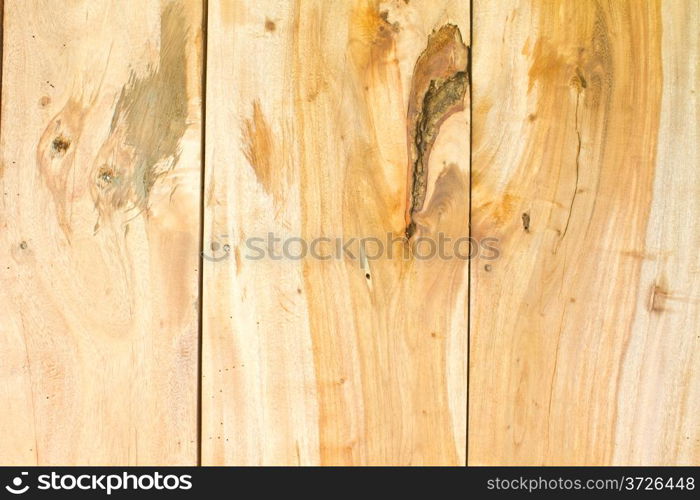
(105,176)
(532,117)
(270,25)
(410,230)
(526,221)
(488,268)
(60,144)
(578,81)
(572,300)
(298,290)
(367,275)
(23,245)
(44,101)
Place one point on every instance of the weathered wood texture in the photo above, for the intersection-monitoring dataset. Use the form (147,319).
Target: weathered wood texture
(100,185)
(322,122)
(585,337)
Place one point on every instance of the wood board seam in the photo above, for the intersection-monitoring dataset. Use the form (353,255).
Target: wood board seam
(203,141)
(470,75)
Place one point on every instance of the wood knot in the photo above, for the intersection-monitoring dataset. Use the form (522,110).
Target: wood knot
(60,145)
(578,81)
(105,177)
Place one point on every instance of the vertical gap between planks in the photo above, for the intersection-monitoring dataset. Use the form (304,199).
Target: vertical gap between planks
(470,75)
(200,312)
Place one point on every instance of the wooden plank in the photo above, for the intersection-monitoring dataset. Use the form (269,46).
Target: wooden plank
(326,125)
(585,340)
(100,176)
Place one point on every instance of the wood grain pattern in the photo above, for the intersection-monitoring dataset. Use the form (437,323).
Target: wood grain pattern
(335,120)
(100,177)
(585,339)
(341,130)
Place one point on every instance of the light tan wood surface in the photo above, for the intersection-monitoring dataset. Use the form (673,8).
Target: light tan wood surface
(335,120)
(585,334)
(99,217)
(145,320)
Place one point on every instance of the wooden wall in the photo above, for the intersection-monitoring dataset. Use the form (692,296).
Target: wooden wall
(148,150)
